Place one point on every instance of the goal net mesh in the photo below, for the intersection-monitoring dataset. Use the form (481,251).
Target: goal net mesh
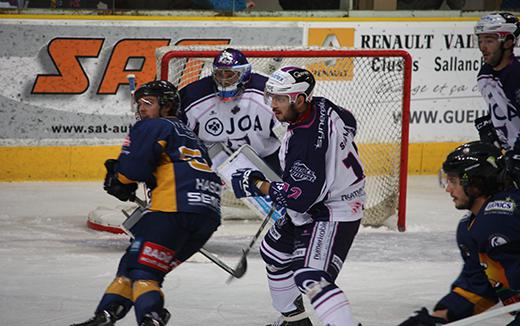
(371,84)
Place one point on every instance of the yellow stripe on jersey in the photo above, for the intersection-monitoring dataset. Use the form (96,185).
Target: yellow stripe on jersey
(494,271)
(121,286)
(481,303)
(144,286)
(164,195)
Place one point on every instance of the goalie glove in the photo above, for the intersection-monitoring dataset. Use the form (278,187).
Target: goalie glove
(486,130)
(423,318)
(243,182)
(116,188)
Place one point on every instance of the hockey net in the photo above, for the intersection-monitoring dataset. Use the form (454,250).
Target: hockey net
(373,84)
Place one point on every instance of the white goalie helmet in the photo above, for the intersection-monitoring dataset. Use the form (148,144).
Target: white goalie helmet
(290,82)
(500,23)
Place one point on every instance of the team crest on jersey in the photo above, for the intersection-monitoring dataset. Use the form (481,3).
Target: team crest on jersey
(300,172)
(497,240)
(235,110)
(507,205)
(214,127)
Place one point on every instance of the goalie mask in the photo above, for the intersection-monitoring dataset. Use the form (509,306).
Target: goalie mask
(477,164)
(503,24)
(231,71)
(165,91)
(289,82)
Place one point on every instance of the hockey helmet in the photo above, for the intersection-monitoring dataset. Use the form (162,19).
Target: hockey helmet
(165,91)
(291,82)
(231,71)
(502,24)
(477,164)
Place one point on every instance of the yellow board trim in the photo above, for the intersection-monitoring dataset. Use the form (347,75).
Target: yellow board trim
(85,163)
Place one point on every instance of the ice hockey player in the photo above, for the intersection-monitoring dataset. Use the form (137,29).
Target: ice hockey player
(488,236)
(323,193)
(228,107)
(183,212)
(499,84)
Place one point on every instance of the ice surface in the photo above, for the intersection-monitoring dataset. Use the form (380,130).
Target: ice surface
(54,269)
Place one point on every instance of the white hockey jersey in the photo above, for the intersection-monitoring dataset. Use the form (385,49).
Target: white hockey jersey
(323,174)
(501,91)
(247,120)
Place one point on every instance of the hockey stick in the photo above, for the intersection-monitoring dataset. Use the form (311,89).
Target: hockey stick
(242,263)
(486,315)
(134,218)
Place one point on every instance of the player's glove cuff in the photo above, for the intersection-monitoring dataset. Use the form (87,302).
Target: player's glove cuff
(278,194)
(244,181)
(486,130)
(116,188)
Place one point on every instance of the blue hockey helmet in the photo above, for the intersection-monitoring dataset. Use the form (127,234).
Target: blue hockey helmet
(231,71)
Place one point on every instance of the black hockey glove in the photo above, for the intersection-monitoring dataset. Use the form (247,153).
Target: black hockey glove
(243,182)
(114,187)
(512,167)
(423,318)
(486,130)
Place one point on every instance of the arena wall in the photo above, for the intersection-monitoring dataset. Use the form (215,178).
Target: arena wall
(64,101)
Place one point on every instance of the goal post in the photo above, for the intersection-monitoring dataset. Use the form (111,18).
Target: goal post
(374,84)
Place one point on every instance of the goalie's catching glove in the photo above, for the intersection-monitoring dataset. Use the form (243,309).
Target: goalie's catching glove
(116,188)
(423,318)
(243,182)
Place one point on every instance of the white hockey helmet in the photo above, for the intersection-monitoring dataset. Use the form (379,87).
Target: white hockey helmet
(291,82)
(502,24)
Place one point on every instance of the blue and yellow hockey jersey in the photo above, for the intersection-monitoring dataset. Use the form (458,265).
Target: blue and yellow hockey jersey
(172,161)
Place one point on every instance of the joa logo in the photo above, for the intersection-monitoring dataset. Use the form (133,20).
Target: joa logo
(332,69)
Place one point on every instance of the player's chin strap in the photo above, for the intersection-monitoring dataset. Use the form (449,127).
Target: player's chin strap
(133,218)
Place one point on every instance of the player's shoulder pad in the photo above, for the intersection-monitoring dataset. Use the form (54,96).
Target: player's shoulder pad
(257,82)
(196,90)
(345,115)
(505,202)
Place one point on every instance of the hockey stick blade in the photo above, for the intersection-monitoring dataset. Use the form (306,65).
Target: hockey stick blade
(233,272)
(242,263)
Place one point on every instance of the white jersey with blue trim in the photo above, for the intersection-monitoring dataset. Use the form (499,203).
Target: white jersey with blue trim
(322,169)
(501,91)
(245,120)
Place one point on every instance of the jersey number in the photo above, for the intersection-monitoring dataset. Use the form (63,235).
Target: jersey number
(351,162)
(194,159)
